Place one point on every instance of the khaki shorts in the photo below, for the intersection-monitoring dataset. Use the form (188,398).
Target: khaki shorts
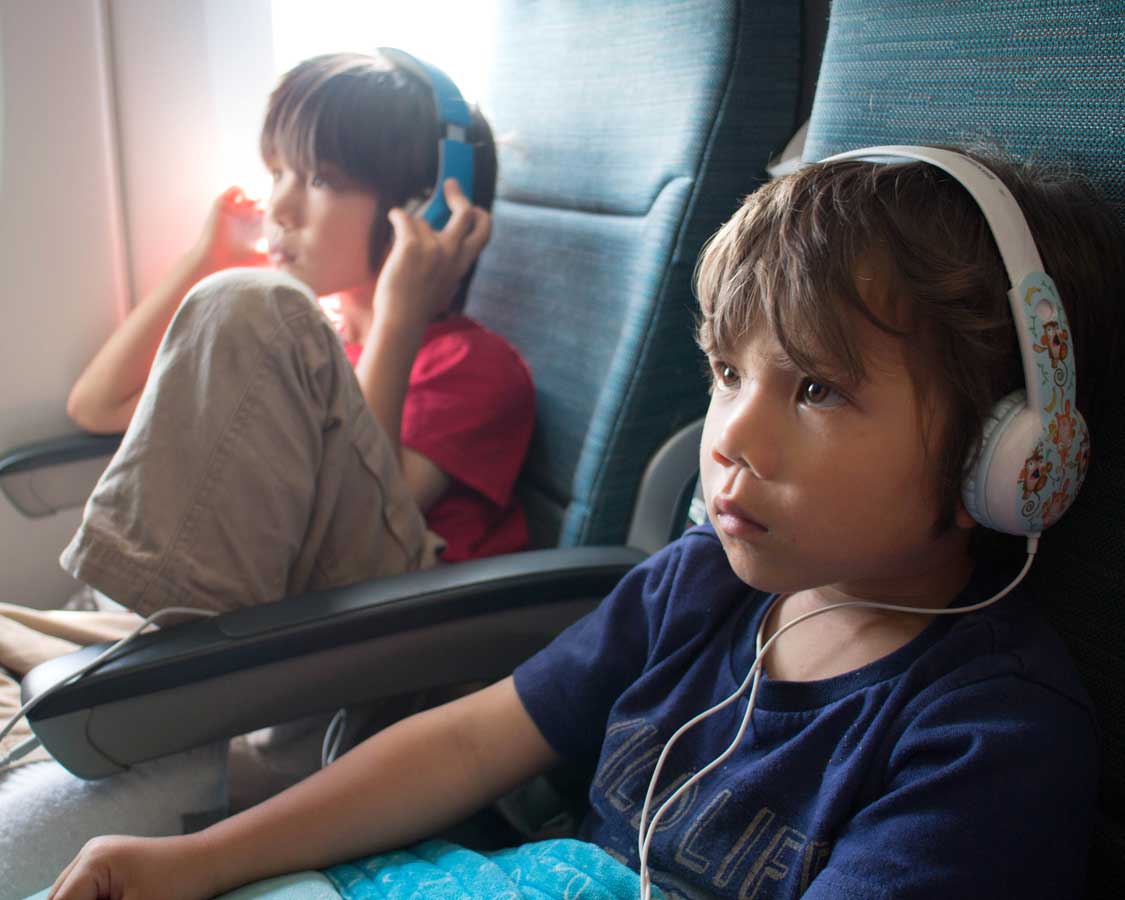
(253,468)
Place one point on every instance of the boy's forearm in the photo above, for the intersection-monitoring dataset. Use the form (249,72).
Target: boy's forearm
(404,784)
(384,368)
(105,394)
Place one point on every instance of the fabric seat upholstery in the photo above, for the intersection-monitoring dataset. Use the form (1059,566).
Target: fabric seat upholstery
(629,132)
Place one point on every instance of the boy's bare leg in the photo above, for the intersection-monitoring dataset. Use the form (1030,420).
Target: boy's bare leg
(252,469)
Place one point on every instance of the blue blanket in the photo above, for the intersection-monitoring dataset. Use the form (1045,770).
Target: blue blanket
(436,870)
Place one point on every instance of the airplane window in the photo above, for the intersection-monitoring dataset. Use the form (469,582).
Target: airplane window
(453,35)
(199,116)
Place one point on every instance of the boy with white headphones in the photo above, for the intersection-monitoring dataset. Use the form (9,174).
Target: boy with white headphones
(878,709)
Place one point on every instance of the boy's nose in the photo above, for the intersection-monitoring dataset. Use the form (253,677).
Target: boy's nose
(746,438)
(284,205)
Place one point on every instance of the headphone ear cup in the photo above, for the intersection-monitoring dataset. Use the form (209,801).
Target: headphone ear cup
(1029,469)
(974,486)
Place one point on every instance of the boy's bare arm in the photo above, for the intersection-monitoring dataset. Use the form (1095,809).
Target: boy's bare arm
(416,284)
(405,783)
(105,395)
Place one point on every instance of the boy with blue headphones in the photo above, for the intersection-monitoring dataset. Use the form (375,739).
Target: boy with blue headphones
(256,466)
(828,690)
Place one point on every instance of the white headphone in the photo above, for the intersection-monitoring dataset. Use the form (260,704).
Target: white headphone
(1035,446)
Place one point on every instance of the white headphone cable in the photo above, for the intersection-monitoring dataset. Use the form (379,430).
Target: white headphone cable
(333,738)
(646,834)
(26,746)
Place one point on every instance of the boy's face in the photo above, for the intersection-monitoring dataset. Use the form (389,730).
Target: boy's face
(810,485)
(318,225)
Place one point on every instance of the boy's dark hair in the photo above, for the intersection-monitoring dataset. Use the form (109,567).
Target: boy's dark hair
(377,124)
(790,260)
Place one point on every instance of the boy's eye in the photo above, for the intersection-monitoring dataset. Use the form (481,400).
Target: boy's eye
(725,375)
(318,181)
(817,393)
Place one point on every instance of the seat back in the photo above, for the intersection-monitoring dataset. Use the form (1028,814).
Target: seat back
(1041,80)
(628,132)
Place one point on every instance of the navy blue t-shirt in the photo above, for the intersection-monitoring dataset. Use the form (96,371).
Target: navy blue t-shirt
(962,765)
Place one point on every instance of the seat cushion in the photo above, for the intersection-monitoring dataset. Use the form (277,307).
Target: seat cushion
(43,806)
(629,131)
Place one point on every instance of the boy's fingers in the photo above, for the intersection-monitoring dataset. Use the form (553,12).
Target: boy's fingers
(454,196)
(460,213)
(57,888)
(483,222)
(233,196)
(402,223)
(77,887)
(66,889)
(481,230)
(469,226)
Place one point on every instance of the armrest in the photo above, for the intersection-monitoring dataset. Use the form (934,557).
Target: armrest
(186,685)
(664,497)
(48,476)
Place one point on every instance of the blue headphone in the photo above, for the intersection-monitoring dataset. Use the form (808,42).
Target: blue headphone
(455,154)
(1035,446)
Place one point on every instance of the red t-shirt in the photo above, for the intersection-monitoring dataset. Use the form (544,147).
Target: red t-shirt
(470,409)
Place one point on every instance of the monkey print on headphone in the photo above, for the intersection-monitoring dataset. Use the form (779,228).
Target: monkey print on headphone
(1053,472)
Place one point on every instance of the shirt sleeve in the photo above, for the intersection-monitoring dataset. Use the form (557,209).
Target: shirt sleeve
(470,410)
(990,793)
(570,686)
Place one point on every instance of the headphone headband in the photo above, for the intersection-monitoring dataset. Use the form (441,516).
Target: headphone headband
(1026,278)
(455,154)
(999,207)
(451,106)
(1036,442)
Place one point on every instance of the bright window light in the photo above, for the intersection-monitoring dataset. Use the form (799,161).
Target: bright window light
(454,35)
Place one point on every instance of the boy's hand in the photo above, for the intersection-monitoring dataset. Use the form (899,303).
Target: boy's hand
(424,267)
(127,868)
(232,232)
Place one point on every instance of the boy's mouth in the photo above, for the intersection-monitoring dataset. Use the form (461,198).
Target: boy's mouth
(733,519)
(279,256)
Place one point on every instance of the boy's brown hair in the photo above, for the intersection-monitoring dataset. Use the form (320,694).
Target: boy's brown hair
(377,124)
(790,259)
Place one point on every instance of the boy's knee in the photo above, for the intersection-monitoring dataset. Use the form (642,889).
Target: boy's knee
(260,300)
